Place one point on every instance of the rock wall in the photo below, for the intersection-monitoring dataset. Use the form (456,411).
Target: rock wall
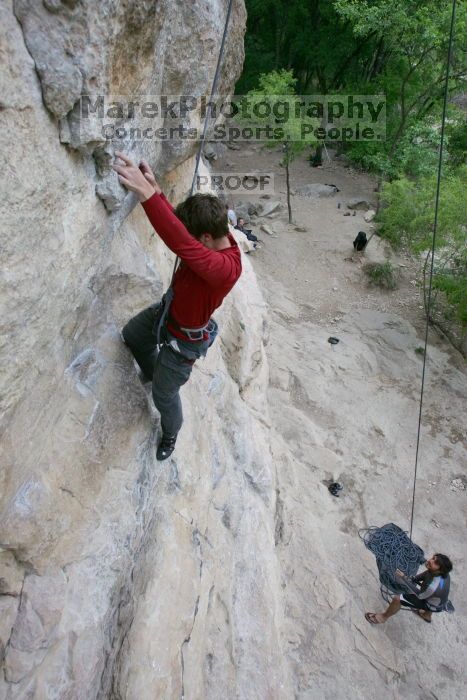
(121,577)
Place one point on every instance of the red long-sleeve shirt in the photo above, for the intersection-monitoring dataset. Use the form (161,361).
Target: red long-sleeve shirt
(204,276)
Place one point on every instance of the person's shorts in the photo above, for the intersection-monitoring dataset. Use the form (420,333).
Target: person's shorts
(409,600)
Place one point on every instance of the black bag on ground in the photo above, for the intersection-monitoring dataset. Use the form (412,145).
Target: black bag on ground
(360,241)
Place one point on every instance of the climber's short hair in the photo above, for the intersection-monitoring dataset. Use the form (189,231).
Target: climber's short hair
(203,213)
(444,563)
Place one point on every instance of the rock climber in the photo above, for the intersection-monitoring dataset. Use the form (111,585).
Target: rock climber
(197,231)
(429,591)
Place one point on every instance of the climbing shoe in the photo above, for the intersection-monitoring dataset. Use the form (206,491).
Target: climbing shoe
(166,447)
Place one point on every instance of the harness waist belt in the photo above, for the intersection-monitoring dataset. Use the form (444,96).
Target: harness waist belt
(195,334)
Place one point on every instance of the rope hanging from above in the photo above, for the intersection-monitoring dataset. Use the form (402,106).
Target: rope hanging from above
(208,111)
(168,296)
(435,227)
(392,547)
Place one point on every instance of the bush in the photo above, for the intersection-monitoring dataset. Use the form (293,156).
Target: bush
(457,142)
(416,154)
(407,218)
(381,275)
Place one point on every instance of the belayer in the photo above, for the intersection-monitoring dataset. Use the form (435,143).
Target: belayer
(168,337)
(428,592)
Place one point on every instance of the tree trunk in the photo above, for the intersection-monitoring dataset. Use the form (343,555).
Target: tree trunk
(379,60)
(287,180)
(379,189)
(337,79)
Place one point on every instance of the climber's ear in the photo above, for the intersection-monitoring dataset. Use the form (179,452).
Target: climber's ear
(207,240)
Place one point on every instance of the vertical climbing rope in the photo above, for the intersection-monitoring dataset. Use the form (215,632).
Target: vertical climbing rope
(435,226)
(208,111)
(167,298)
(213,92)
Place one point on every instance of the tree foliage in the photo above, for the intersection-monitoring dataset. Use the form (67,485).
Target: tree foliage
(275,87)
(415,35)
(308,37)
(407,218)
(362,46)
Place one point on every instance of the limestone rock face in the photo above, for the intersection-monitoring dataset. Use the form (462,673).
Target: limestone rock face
(121,576)
(130,50)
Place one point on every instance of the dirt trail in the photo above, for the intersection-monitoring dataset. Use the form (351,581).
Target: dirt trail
(316,267)
(350,413)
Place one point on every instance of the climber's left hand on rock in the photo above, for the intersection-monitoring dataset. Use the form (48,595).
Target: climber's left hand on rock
(133,179)
(149,175)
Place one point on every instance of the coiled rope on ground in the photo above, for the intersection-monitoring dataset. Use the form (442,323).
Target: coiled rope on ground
(393,550)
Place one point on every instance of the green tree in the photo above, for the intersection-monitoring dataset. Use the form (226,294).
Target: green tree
(276,88)
(416,36)
(362,46)
(407,219)
(457,141)
(311,39)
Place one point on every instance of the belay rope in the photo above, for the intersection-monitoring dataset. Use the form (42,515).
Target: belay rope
(168,296)
(435,227)
(393,550)
(392,547)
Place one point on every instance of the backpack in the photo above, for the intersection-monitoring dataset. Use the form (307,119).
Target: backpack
(360,241)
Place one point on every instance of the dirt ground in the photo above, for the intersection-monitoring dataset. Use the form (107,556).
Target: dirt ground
(350,413)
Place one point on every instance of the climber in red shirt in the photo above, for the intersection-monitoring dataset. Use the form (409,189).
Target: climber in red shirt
(197,231)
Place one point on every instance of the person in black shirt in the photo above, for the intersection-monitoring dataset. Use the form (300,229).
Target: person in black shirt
(241,227)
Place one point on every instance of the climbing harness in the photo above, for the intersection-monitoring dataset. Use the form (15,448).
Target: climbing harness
(196,334)
(392,547)
(168,296)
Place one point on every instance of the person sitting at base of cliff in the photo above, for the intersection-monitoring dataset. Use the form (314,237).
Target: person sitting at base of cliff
(431,595)
(248,233)
(244,244)
(197,232)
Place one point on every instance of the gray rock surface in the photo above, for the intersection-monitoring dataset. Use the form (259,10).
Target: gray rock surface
(267,229)
(269,207)
(369,215)
(122,50)
(358,203)
(315,189)
(245,209)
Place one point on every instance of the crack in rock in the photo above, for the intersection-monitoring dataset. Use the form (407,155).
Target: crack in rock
(197,543)
(187,641)
(279,519)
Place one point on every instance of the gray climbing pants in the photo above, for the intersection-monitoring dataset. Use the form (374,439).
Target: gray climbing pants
(167,369)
